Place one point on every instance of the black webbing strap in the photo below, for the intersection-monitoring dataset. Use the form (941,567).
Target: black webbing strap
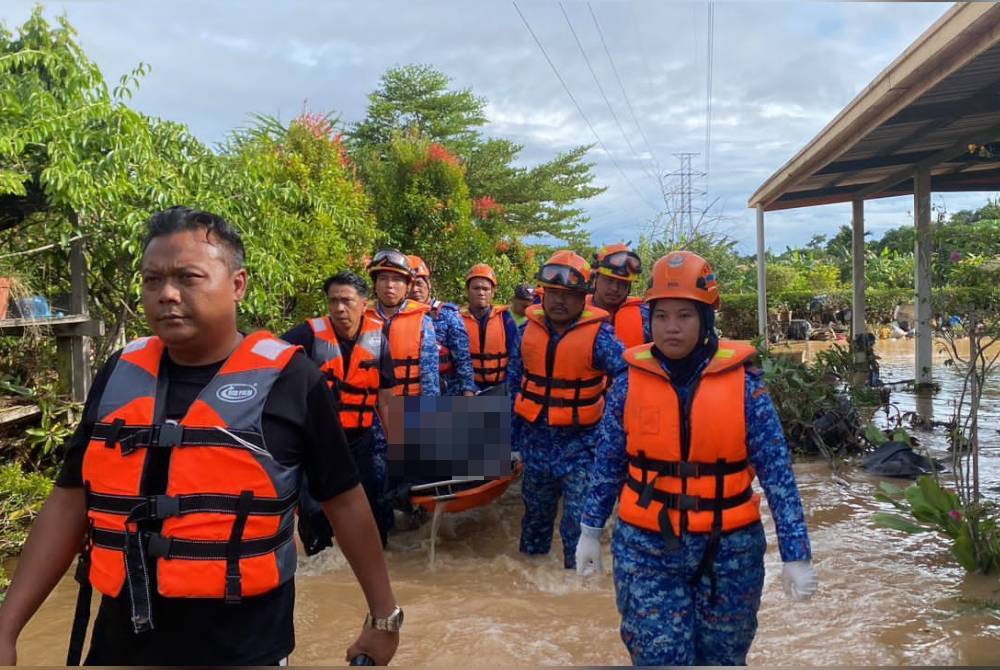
(81,615)
(160,546)
(684,502)
(684,469)
(169,435)
(707,562)
(234,588)
(165,506)
(561,402)
(557,383)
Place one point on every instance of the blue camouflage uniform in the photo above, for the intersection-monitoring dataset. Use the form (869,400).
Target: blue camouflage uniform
(557,459)
(451,333)
(666,621)
(512,332)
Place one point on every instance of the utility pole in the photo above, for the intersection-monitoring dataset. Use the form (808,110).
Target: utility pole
(686,193)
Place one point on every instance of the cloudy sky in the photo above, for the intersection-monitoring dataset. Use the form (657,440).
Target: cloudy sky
(781,71)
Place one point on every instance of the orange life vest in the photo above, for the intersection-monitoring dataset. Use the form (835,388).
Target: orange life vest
(559,375)
(488,346)
(404,330)
(701,487)
(356,388)
(627,321)
(227,507)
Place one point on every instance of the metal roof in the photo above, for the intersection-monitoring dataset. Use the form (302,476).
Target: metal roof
(923,111)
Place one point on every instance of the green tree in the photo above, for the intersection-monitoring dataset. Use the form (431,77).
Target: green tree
(417,97)
(521,201)
(422,204)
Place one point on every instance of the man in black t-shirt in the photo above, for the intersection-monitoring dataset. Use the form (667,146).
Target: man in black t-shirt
(353,354)
(203,394)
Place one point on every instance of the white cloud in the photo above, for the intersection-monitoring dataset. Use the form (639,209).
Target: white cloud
(782,71)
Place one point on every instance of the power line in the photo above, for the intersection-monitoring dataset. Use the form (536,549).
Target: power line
(597,82)
(579,109)
(709,67)
(621,85)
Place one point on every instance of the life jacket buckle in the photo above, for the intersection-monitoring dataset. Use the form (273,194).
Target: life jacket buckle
(158,546)
(687,469)
(647,495)
(169,434)
(688,503)
(163,506)
(234,588)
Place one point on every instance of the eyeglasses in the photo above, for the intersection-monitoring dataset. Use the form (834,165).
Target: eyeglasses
(622,263)
(390,258)
(562,275)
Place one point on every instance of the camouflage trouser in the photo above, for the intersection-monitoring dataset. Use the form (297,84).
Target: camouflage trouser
(541,490)
(667,621)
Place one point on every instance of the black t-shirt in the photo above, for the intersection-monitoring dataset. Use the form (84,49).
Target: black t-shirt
(301,427)
(303,336)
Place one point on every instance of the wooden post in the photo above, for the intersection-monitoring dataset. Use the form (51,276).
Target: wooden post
(761,278)
(922,279)
(858,268)
(74,350)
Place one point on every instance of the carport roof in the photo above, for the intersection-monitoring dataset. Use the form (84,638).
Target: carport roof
(923,111)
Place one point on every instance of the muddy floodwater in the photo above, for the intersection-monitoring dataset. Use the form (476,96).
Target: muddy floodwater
(884,598)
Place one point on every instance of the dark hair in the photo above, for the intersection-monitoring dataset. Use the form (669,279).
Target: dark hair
(347,278)
(179,218)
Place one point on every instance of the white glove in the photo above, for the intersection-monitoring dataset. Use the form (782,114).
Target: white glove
(588,551)
(799,578)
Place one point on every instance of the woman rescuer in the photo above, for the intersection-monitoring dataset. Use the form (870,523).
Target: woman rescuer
(688,425)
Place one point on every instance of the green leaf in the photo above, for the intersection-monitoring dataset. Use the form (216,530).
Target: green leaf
(897,522)
(874,435)
(964,549)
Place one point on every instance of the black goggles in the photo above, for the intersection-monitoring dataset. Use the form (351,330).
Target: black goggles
(390,258)
(562,275)
(622,263)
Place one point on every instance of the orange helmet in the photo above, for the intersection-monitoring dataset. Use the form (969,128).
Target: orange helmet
(418,268)
(565,270)
(482,271)
(683,274)
(618,262)
(389,260)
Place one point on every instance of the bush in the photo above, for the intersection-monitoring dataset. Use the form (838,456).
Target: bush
(21,497)
(738,314)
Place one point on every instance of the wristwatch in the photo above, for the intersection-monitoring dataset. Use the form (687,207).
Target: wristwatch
(389,624)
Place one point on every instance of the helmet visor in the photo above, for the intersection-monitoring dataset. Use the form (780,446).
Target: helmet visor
(390,259)
(624,264)
(563,276)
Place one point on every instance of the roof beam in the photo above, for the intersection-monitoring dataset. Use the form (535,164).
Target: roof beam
(979,137)
(965,31)
(981,102)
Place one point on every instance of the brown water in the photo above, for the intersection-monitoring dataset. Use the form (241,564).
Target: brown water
(885,598)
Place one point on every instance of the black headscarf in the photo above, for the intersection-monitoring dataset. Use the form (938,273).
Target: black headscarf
(682,370)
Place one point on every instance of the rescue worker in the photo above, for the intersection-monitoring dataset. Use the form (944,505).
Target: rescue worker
(492,331)
(183,475)
(557,381)
(616,268)
(353,354)
(455,365)
(406,323)
(524,295)
(686,428)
